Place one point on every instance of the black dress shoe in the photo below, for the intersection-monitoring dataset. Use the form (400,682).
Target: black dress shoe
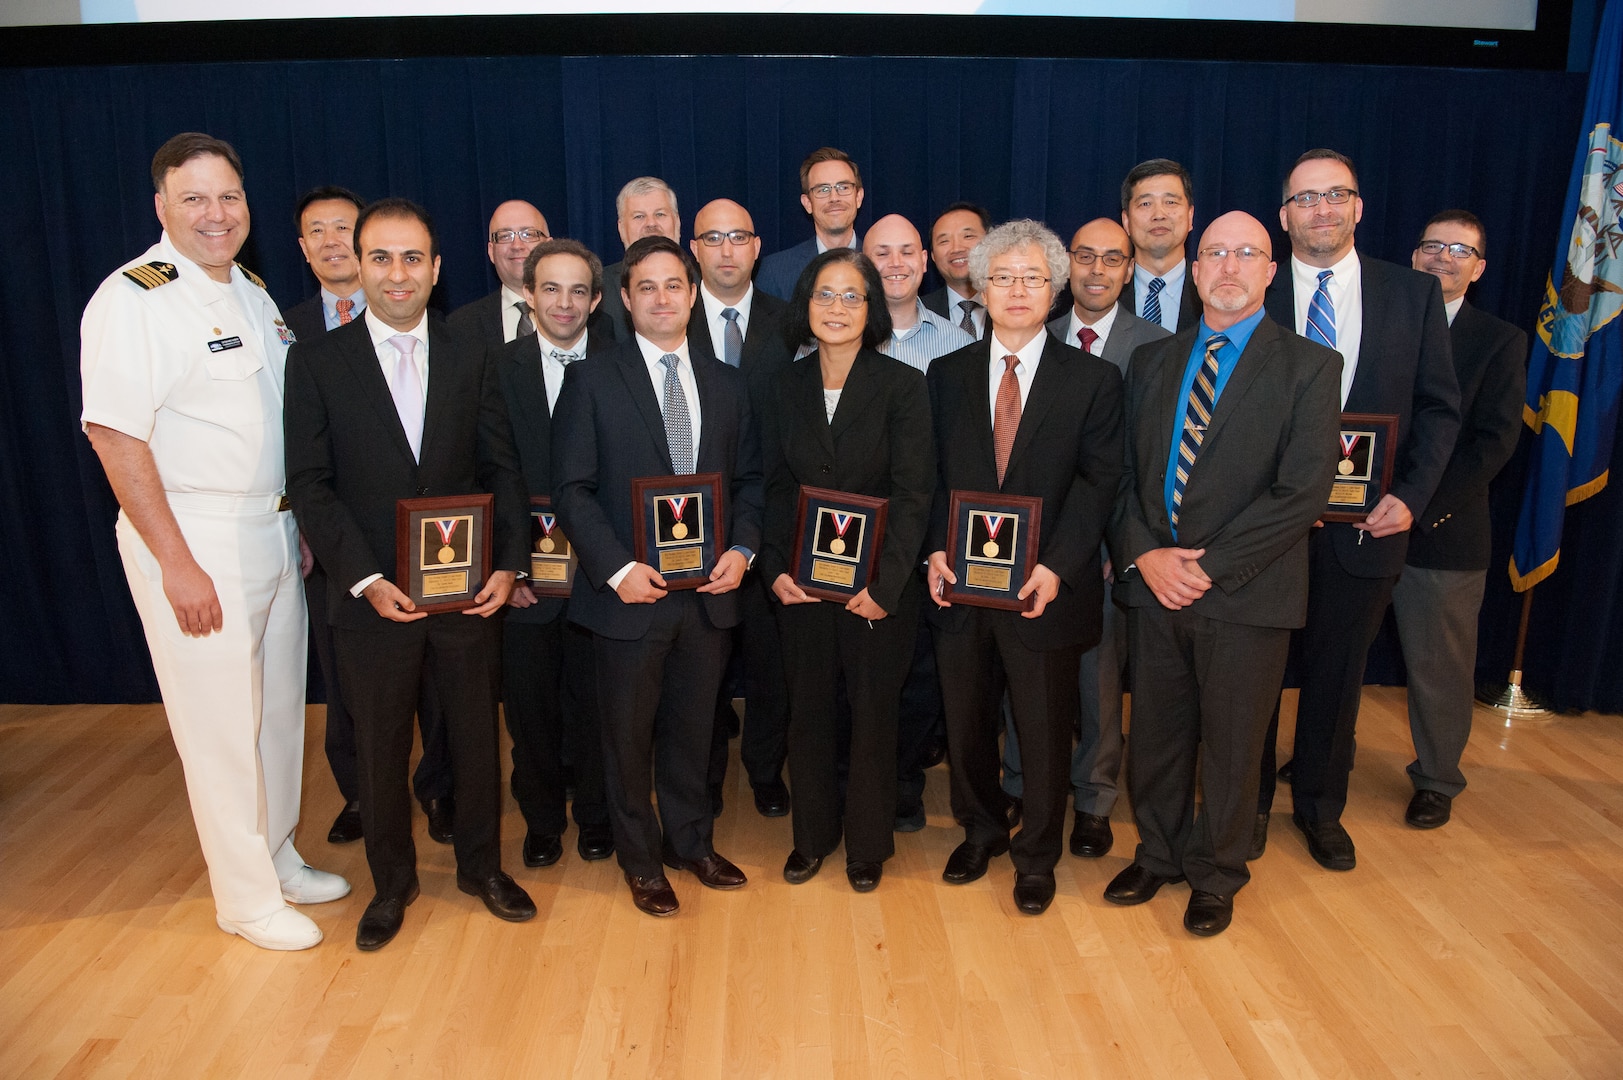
(1427,810)
(381,920)
(1015,809)
(441,817)
(1090,836)
(713,871)
(968,861)
(1259,838)
(1033,892)
(1208,913)
(542,849)
(346,827)
(716,801)
(772,800)
(1285,771)
(1328,843)
(595,842)
(864,876)
(799,869)
(502,895)
(1136,885)
(653,895)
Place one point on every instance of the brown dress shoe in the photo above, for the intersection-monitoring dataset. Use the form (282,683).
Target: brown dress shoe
(713,871)
(653,895)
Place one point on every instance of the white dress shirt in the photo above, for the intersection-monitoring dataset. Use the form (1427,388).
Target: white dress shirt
(387,355)
(1102,328)
(1452,308)
(718,325)
(1030,355)
(552,372)
(511,314)
(1346,288)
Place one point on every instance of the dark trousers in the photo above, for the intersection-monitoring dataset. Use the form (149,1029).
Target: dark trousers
(764,744)
(977,664)
(1344,614)
(657,708)
(821,643)
(432,780)
(549,697)
(1437,620)
(382,673)
(1202,692)
(920,721)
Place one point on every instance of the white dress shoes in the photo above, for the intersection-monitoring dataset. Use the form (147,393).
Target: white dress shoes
(285,930)
(311,886)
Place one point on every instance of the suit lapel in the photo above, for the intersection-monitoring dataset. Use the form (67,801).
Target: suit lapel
(529,387)
(441,359)
(806,408)
(368,372)
(704,377)
(978,372)
(857,397)
(1373,298)
(634,371)
(1258,351)
(1050,370)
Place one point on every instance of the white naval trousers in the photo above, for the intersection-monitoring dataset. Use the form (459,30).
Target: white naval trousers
(235,699)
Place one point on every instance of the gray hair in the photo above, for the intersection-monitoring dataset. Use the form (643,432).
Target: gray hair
(1022,232)
(643,185)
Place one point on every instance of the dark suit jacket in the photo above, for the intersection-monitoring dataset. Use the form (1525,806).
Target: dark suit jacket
(937,302)
(766,352)
(307,320)
(879,444)
(607,431)
(348,461)
(518,366)
(1067,452)
(1128,333)
(1490,362)
(611,321)
(780,270)
(1261,480)
(1404,368)
(481,320)
(1189,307)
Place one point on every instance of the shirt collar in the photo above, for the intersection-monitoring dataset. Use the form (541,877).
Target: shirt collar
(713,306)
(382,332)
(1029,353)
(509,298)
(1307,277)
(1173,277)
(1452,308)
(329,300)
(954,298)
(651,352)
(546,344)
(1102,327)
(1239,334)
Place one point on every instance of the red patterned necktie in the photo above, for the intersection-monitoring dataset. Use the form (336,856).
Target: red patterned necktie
(345,306)
(1006,417)
(1088,336)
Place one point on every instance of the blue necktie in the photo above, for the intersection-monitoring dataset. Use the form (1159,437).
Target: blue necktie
(1321,313)
(1152,302)
(732,339)
(678,421)
(1197,417)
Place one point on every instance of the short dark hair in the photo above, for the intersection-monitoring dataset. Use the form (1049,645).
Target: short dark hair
(321,194)
(1320,153)
(1459,217)
(822,154)
(560,246)
(973,208)
(652,245)
(797,325)
(187,145)
(1155,167)
(397,208)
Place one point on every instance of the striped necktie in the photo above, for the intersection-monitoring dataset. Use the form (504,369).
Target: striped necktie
(1321,313)
(1196,417)
(1152,301)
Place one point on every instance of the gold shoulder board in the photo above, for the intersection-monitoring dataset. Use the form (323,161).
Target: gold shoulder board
(151,275)
(251,276)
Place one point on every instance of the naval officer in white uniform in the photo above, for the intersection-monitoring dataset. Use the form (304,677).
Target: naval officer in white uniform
(183,356)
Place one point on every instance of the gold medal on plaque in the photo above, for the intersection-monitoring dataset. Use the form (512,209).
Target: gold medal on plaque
(447,528)
(989,549)
(446,554)
(679,530)
(837,546)
(678,505)
(546,544)
(1344,467)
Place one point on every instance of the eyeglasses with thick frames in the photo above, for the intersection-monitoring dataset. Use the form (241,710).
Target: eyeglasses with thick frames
(1087,257)
(715,237)
(507,236)
(1006,281)
(826,298)
(823,191)
(1458,251)
(1244,254)
(1335,197)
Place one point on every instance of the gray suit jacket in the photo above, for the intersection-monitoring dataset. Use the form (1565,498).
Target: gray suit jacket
(1128,333)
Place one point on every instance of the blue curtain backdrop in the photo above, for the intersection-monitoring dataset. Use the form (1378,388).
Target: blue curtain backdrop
(1026,137)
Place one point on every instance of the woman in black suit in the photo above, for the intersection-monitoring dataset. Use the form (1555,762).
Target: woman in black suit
(848,418)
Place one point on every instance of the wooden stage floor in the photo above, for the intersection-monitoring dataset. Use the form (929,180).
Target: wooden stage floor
(1490,948)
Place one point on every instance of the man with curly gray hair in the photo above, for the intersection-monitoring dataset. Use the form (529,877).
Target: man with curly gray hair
(1020,414)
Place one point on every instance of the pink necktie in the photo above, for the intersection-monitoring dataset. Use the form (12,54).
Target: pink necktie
(406,387)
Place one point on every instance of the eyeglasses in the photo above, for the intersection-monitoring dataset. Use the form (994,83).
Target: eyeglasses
(507,236)
(1006,281)
(1087,257)
(823,191)
(1335,197)
(1458,251)
(826,298)
(1244,254)
(715,237)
